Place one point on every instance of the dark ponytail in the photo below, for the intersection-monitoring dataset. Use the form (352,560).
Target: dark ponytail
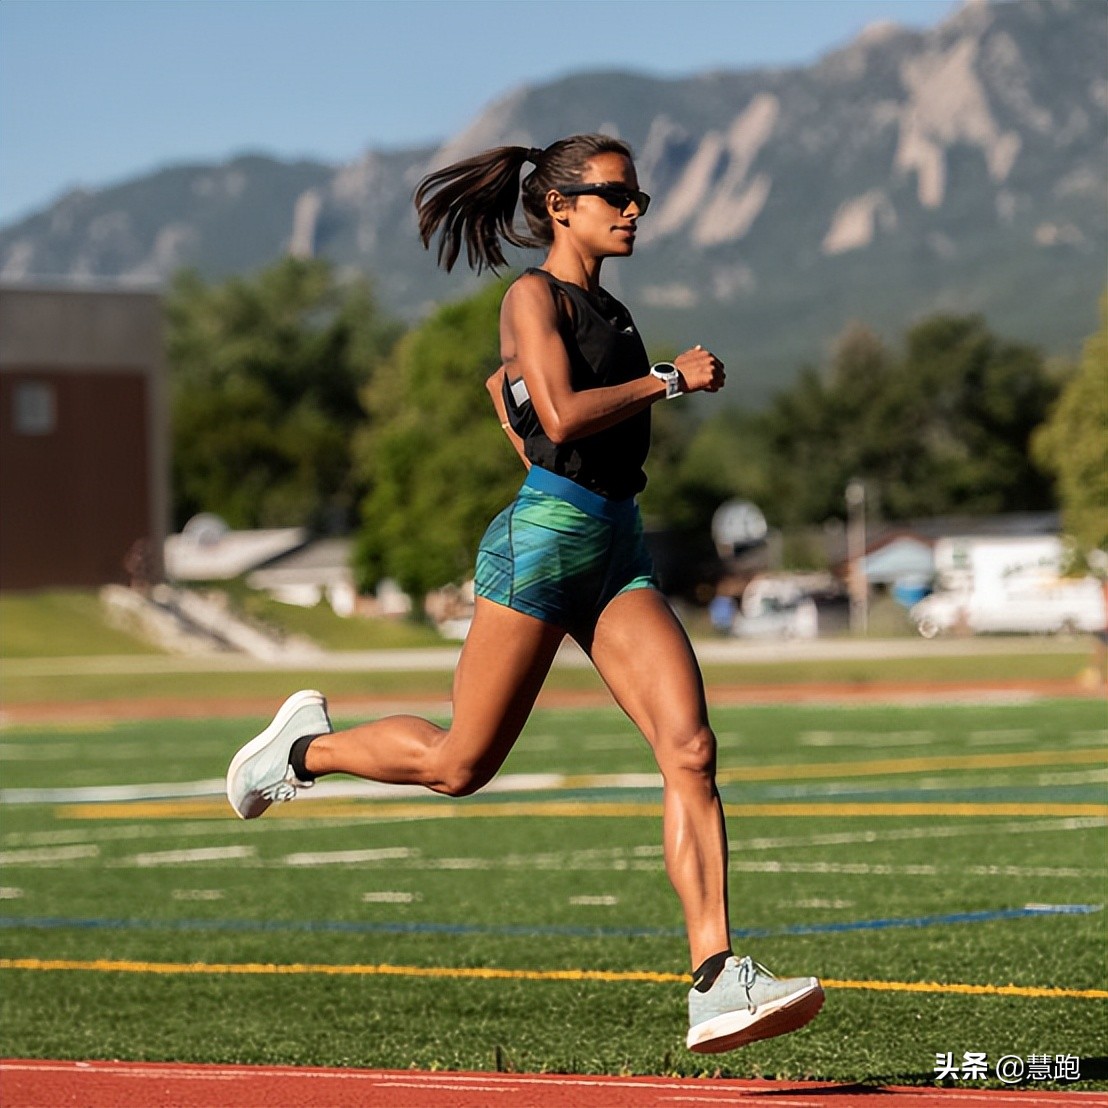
(474,201)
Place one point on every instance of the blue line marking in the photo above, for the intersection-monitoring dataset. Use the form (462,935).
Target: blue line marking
(58,923)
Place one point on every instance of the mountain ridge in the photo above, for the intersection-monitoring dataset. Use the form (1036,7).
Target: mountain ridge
(959,168)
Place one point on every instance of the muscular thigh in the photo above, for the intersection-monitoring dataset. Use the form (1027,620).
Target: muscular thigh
(644,656)
(504,662)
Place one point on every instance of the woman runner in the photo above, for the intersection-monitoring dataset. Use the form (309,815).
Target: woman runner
(574,394)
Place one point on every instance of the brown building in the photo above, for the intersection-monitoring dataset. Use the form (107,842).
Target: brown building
(84,435)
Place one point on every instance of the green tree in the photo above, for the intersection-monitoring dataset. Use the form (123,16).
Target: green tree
(1073,444)
(436,462)
(968,403)
(944,427)
(266,374)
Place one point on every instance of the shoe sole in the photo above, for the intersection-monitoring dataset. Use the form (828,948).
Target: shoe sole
(260,742)
(735,1029)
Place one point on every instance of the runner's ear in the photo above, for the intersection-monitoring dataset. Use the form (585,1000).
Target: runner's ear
(557,205)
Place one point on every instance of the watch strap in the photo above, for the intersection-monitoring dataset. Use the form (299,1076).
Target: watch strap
(668,372)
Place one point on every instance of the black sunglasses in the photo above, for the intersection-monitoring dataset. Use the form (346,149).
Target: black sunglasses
(619,196)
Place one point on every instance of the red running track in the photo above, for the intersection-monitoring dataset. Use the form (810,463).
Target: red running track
(47,1084)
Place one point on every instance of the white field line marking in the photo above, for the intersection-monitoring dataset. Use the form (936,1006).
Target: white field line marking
(863,869)
(520,783)
(882,784)
(648,860)
(75,846)
(373,790)
(989,738)
(198,829)
(92,794)
(361,790)
(880,869)
(594,901)
(1077,738)
(9,892)
(817,902)
(475,864)
(161,1073)
(53,838)
(739,1098)
(453,1086)
(861,789)
(617,781)
(387,897)
(878,739)
(604,859)
(198,894)
(1033,871)
(48,856)
(1065,907)
(403,858)
(186,857)
(508,783)
(941,831)
(1078,777)
(514,1081)
(123,833)
(350,857)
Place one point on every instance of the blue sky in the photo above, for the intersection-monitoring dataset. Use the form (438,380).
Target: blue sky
(96,91)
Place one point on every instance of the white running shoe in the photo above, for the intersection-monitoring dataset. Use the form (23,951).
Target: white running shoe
(747,1003)
(260,773)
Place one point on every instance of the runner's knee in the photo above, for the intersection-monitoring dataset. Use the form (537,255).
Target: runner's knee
(687,750)
(454,776)
(461,781)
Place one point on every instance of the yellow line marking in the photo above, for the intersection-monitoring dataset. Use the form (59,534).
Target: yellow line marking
(264,968)
(559,809)
(876,767)
(971,990)
(492,974)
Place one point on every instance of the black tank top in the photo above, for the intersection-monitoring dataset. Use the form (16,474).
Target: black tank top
(604,349)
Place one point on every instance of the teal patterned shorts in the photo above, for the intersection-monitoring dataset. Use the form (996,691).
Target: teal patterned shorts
(560,553)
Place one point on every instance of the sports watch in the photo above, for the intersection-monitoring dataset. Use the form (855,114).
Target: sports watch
(668,372)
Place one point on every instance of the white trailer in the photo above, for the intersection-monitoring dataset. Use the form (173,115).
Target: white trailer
(1008,585)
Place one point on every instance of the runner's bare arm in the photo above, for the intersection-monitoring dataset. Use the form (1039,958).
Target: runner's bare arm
(495,387)
(531,344)
(529,338)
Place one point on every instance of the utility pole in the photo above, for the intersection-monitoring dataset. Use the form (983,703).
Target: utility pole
(855,553)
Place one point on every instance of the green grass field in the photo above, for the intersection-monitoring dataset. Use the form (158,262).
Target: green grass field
(878,847)
(60,623)
(54,623)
